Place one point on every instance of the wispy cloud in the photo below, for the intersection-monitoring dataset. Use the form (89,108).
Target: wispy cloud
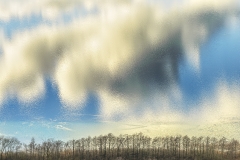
(61,127)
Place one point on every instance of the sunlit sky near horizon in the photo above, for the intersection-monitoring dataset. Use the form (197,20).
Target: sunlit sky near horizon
(73,68)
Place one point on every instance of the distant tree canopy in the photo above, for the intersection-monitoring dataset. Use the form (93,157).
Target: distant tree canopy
(135,146)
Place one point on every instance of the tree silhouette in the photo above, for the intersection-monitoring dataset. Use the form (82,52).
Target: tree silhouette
(136,146)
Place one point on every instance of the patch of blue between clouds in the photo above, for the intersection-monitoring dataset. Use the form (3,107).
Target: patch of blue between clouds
(16,24)
(49,107)
(90,112)
(219,60)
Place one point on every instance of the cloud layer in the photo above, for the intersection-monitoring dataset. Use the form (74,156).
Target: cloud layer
(125,54)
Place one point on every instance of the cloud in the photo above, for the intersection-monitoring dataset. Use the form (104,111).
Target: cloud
(15,8)
(214,107)
(25,8)
(223,104)
(216,115)
(2,36)
(122,54)
(49,9)
(61,127)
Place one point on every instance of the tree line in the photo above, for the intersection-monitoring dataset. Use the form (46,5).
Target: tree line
(107,147)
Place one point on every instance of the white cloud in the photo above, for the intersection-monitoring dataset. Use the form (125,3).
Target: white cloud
(17,8)
(113,105)
(214,107)
(61,127)
(224,103)
(166,121)
(121,53)
(193,36)
(216,115)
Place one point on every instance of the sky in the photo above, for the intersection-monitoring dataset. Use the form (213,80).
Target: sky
(73,68)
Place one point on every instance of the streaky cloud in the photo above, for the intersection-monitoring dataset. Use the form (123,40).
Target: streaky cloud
(62,128)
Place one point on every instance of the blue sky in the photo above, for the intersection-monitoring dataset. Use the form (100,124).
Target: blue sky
(73,68)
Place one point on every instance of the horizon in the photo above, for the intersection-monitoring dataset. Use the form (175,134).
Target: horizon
(74,68)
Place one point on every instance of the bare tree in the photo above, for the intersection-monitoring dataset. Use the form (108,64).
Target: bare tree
(136,146)
(222,144)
